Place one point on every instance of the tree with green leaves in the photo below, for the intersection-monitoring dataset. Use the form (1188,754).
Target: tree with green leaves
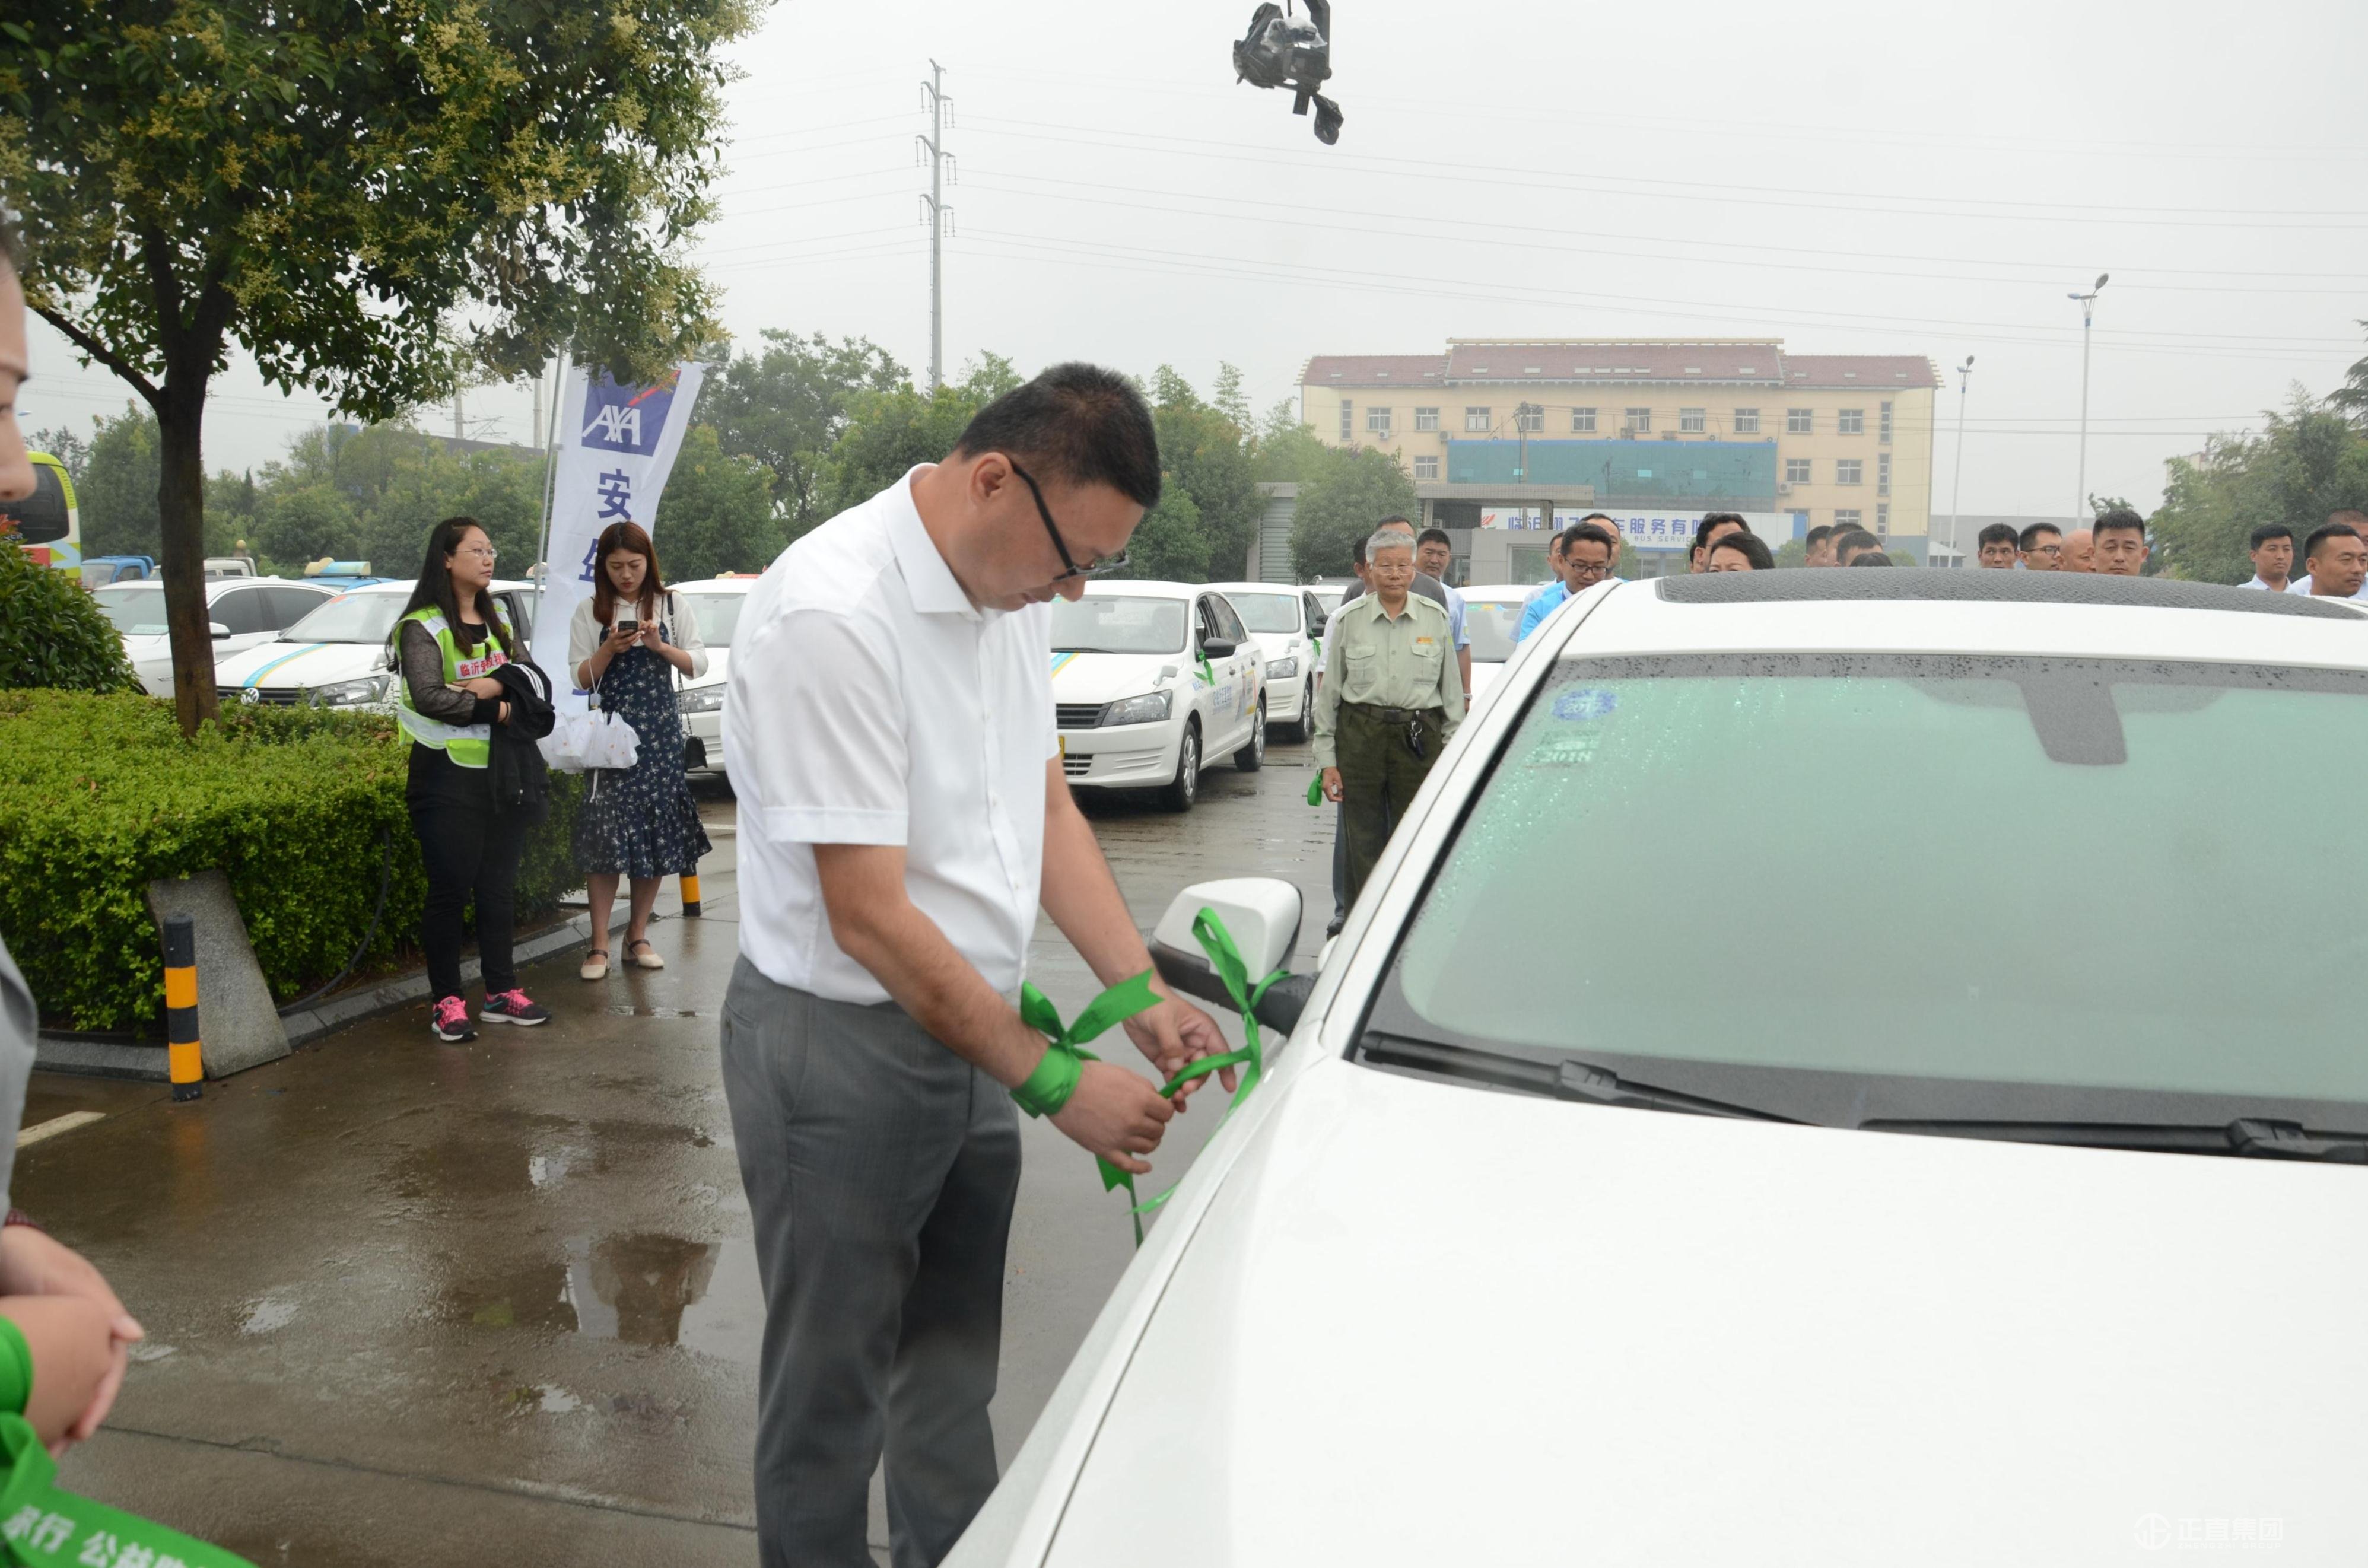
(785,408)
(2305,462)
(717,514)
(331,187)
(889,432)
(1205,453)
(1343,505)
(2351,399)
(117,492)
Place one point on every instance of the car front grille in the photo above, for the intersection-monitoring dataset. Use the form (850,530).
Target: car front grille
(269,696)
(1077,715)
(1077,767)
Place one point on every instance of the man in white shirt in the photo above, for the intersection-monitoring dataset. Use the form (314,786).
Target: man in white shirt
(2307,585)
(2336,555)
(2272,550)
(889,731)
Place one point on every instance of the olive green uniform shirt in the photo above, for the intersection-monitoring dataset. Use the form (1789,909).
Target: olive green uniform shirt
(1408,662)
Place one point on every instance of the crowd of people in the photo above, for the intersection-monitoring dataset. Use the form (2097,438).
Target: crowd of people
(2335,554)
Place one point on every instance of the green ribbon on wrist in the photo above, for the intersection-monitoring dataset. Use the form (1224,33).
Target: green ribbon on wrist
(1066,1056)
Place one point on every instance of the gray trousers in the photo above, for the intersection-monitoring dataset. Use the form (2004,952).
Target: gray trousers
(880,1171)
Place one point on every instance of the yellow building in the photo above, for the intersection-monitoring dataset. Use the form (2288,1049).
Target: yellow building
(1506,437)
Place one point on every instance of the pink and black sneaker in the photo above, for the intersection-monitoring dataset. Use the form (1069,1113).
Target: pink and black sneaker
(515,1007)
(450,1022)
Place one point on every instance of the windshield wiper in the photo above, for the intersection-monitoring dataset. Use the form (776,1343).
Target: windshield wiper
(1563,1080)
(2248,1136)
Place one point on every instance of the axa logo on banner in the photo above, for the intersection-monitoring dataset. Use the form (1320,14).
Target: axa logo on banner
(626,419)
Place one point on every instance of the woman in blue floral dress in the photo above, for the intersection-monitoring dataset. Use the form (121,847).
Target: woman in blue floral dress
(626,644)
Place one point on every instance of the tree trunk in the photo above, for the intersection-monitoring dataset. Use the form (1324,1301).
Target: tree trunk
(181,509)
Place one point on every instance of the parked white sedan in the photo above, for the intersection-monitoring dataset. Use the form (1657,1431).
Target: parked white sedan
(1152,680)
(1800,1088)
(1492,613)
(716,602)
(340,656)
(245,612)
(1288,626)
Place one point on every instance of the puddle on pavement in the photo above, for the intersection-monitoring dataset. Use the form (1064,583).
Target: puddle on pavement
(638,1289)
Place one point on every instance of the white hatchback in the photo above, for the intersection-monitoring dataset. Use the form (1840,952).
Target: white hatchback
(245,613)
(340,656)
(1828,1069)
(1287,624)
(1150,682)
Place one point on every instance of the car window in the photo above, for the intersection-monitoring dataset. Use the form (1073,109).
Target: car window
(243,611)
(1229,625)
(2014,872)
(290,604)
(1266,612)
(1112,624)
(350,617)
(1315,608)
(1490,623)
(136,609)
(717,615)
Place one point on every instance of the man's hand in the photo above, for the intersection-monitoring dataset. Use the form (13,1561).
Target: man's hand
(1174,1035)
(34,1265)
(1115,1114)
(1332,784)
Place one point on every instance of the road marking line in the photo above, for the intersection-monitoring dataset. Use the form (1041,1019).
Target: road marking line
(58,1124)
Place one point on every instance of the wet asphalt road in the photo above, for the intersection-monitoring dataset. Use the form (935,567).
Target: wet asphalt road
(497,1302)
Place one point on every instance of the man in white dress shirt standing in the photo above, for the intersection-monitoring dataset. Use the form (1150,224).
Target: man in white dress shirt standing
(889,731)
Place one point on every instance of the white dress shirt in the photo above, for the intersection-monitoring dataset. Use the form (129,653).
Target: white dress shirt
(870,702)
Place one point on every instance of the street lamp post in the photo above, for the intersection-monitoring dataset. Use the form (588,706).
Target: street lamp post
(1957,481)
(2087,311)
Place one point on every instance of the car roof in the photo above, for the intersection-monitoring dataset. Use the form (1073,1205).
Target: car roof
(2077,615)
(1145,590)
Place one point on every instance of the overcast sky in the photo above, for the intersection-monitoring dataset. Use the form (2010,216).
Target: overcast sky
(1850,177)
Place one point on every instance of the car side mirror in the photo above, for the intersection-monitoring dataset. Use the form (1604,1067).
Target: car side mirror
(218,628)
(1219,648)
(1322,624)
(1261,914)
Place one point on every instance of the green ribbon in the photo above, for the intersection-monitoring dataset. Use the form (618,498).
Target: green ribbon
(41,1524)
(1315,789)
(1206,673)
(1115,1005)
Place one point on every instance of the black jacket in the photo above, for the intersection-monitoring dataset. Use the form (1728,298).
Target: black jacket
(519,780)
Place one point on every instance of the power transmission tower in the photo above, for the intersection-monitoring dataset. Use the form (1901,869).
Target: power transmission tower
(940,215)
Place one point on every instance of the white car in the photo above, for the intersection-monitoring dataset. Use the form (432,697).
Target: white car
(1801,1086)
(244,611)
(716,602)
(339,656)
(1492,613)
(1150,682)
(1287,624)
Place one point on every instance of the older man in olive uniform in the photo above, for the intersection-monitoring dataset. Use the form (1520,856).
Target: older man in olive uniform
(1389,697)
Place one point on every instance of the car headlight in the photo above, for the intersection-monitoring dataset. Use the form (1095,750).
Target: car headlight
(700,698)
(351,693)
(1283,669)
(1148,709)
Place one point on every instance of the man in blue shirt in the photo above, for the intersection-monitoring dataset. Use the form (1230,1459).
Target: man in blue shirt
(1588,554)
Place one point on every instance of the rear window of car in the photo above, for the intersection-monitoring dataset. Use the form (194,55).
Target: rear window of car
(1490,623)
(1118,625)
(2015,871)
(1266,612)
(135,609)
(717,615)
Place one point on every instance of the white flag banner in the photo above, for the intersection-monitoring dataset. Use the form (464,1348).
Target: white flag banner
(616,445)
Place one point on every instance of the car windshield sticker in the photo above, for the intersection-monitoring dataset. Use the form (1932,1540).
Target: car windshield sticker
(1581,704)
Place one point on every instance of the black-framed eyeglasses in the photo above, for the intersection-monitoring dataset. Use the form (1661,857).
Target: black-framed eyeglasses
(1108,563)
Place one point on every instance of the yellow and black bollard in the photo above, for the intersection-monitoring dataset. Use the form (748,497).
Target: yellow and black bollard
(184,1060)
(690,895)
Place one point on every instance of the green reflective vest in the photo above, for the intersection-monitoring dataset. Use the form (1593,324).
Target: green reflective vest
(469,745)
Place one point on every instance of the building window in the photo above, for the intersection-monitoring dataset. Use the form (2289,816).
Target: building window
(1426,419)
(1746,422)
(1477,419)
(1530,420)
(1887,422)
(1582,421)
(1883,520)
(1852,421)
(1849,470)
(1847,517)
(1348,414)
(1796,471)
(1882,473)
(1693,421)
(1797,422)
(1639,420)
(1377,420)
(1426,468)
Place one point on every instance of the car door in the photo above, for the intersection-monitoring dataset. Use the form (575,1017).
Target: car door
(1312,608)
(1212,691)
(1243,674)
(249,616)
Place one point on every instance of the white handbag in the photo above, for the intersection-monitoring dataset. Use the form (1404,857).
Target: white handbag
(580,743)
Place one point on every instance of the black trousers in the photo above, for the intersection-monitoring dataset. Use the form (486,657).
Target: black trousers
(469,851)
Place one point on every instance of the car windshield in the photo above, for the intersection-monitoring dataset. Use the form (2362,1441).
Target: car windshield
(136,609)
(1111,624)
(2029,875)
(355,617)
(1268,612)
(717,614)
(1490,623)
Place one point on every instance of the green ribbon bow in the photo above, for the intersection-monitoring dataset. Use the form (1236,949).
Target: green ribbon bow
(1206,673)
(1055,1079)
(40,1525)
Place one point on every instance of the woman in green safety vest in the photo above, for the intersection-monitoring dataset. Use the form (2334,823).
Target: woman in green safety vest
(453,637)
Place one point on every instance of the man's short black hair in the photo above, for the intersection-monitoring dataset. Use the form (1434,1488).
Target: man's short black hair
(1077,423)
(1872,558)
(2030,540)
(1750,545)
(1817,535)
(2116,517)
(2325,532)
(1998,533)
(1434,536)
(1717,519)
(2269,531)
(1358,549)
(1847,540)
(1597,518)
(1588,533)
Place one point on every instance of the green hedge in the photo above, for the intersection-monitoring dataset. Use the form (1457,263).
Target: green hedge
(51,634)
(101,795)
